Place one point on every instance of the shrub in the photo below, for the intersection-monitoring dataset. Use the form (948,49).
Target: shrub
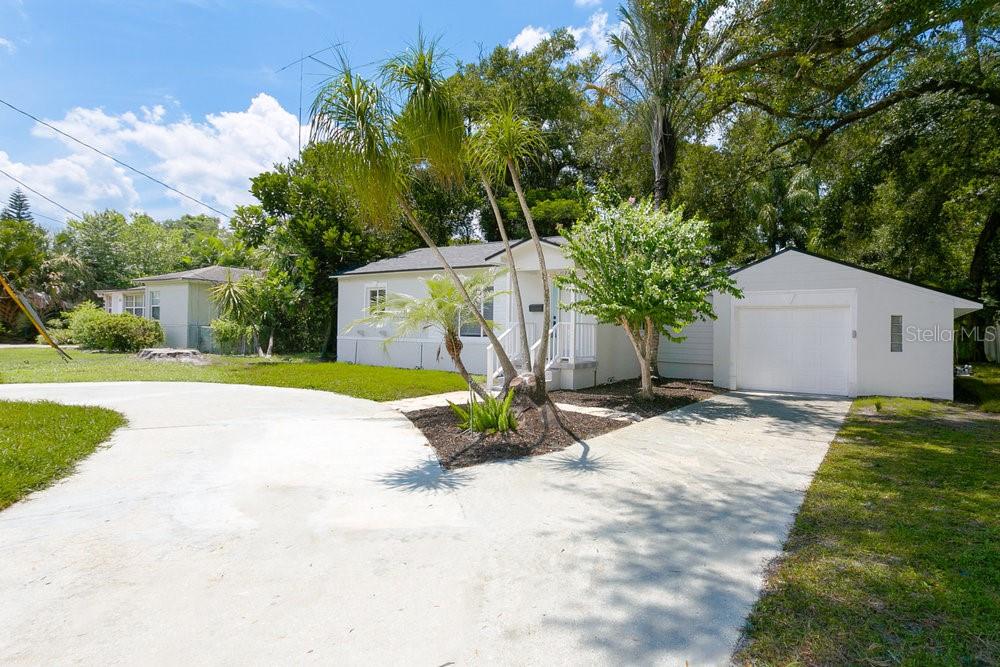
(229,335)
(490,416)
(78,319)
(120,333)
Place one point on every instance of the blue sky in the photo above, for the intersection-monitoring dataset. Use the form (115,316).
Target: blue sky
(188,90)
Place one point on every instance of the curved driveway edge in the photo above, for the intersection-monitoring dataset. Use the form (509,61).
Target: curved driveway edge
(236,524)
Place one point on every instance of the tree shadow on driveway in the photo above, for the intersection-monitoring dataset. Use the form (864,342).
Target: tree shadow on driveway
(427,477)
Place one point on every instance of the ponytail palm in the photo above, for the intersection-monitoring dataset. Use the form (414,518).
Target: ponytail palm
(504,141)
(384,144)
(444,308)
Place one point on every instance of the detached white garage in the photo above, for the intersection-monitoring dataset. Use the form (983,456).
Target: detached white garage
(815,325)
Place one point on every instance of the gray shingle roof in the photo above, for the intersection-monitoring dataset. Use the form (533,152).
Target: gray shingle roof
(213,274)
(459,256)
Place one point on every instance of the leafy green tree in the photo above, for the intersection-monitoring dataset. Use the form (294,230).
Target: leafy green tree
(645,269)
(17,208)
(443,308)
(23,249)
(307,228)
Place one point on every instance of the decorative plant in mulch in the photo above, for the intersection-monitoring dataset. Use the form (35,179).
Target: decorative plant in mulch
(492,415)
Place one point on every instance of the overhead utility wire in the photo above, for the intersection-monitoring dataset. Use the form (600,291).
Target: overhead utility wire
(114,159)
(48,199)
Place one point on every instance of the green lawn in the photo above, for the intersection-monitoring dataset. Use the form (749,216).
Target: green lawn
(41,442)
(894,557)
(982,389)
(377,383)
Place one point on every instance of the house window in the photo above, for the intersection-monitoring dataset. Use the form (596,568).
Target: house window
(134,304)
(154,305)
(472,328)
(896,333)
(376,298)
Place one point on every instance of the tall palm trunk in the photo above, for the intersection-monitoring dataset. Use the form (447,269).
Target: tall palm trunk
(664,148)
(505,363)
(664,144)
(515,285)
(543,347)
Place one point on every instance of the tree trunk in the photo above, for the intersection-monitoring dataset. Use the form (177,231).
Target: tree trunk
(664,148)
(453,345)
(654,357)
(505,363)
(641,347)
(989,234)
(329,351)
(543,347)
(270,343)
(515,285)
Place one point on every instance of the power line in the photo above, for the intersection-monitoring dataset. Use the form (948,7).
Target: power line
(114,159)
(48,199)
(311,55)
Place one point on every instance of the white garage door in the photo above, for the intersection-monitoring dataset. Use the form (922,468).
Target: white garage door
(794,349)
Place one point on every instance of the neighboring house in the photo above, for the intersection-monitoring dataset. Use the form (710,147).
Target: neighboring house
(805,324)
(180,301)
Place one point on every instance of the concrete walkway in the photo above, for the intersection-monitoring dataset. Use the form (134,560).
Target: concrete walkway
(252,525)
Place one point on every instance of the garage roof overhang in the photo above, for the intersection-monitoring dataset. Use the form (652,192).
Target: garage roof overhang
(962,305)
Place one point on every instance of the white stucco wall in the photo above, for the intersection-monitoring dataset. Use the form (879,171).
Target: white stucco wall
(173,311)
(366,344)
(924,368)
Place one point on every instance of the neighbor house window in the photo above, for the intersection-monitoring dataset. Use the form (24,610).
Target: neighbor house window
(134,304)
(376,298)
(896,333)
(154,305)
(472,328)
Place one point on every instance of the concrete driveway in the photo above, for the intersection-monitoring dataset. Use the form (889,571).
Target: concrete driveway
(250,525)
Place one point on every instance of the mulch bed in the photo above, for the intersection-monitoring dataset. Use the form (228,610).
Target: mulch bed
(670,394)
(456,448)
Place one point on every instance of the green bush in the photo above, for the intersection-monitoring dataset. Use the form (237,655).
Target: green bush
(119,333)
(230,336)
(490,416)
(78,319)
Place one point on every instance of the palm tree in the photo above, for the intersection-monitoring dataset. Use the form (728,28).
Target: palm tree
(383,145)
(666,46)
(514,280)
(444,308)
(781,203)
(504,141)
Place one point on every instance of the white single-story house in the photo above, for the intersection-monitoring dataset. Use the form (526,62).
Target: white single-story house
(805,323)
(179,301)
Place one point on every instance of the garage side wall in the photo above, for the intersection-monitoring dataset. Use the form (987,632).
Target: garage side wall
(923,368)
(691,358)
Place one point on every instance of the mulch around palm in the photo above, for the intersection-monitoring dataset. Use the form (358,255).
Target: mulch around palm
(623,396)
(457,448)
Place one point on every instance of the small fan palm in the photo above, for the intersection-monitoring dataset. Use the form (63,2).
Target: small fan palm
(444,308)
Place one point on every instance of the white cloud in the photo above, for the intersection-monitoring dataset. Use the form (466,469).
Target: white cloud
(211,160)
(528,39)
(7,45)
(593,37)
(590,38)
